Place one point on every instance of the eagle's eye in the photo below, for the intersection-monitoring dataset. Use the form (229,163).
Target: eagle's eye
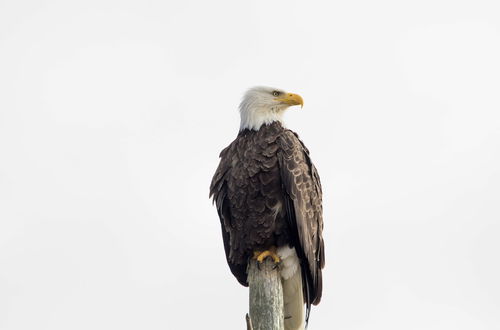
(276,93)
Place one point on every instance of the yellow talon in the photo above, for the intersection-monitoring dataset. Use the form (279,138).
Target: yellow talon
(261,256)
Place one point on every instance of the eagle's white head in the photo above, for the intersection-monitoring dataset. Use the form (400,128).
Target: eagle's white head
(264,105)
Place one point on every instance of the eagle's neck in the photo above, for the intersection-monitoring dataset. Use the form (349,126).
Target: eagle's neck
(253,116)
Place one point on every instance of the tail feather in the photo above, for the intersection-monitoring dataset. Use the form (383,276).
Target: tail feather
(293,300)
(293,293)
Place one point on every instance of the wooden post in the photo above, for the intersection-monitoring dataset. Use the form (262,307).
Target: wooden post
(266,296)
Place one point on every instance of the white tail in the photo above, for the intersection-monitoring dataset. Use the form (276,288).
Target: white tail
(293,298)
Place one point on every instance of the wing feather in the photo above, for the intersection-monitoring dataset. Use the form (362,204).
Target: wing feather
(218,189)
(303,192)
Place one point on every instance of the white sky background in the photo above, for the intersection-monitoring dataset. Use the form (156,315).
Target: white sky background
(113,113)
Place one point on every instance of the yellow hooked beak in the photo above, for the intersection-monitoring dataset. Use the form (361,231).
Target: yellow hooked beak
(291,99)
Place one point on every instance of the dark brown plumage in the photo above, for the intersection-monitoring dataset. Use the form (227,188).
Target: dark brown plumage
(268,193)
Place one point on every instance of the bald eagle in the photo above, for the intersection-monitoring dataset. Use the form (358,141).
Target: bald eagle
(268,197)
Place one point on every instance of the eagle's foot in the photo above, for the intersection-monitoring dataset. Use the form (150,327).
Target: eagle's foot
(260,256)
